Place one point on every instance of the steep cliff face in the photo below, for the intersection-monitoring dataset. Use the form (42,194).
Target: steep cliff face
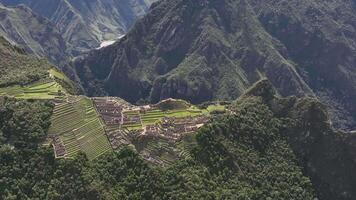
(86,23)
(208,49)
(195,50)
(35,34)
(327,156)
(320,37)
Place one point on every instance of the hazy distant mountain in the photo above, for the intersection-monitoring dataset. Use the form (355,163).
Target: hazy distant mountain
(215,49)
(86,23)
(35,34)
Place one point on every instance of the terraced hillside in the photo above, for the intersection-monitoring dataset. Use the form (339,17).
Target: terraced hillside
(55,86)
(161,133)
(76,127)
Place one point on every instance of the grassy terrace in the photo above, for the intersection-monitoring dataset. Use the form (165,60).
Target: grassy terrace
(134,126)
(154,116)
(80,128)
(40,90)
(44,89)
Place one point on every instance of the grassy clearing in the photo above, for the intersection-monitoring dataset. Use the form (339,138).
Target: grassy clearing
(55,73)
(214,108)
(48,88)
(39,90)
(80,128)
(155,116)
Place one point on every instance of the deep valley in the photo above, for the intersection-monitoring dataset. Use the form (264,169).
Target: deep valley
(177,99)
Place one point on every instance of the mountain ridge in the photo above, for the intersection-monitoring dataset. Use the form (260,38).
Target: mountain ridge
(34,33)
(85,24)
(261,143)
(204,50)
(201,47)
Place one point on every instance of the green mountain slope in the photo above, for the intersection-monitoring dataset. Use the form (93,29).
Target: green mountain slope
(16,67)
(35,34)
(190,50)
(327,156)
(320,37)
(85,24)
(28,77)
(265,149)
(203,50)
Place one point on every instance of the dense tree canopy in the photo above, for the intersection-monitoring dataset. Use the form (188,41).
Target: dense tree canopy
(241,156)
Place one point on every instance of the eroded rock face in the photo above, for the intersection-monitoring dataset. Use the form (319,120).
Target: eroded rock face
(195,50)
(81,25)
(320,37)
(327,156)
(34,33)
(204,50)
(86,23)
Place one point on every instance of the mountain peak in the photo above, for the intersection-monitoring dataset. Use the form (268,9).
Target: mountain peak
(193,50)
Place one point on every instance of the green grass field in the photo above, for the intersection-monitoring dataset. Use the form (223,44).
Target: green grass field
(80,128)
(40,90)
(44,89)
(55,73)
(154,116)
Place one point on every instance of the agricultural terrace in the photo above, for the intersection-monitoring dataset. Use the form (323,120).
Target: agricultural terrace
(44,89)
(162,152)
(114,112)
(156,115)
(158,112)
(161,133)
(78,127)
(54,73)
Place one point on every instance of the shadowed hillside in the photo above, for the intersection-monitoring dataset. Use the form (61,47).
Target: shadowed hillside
(195,50)
(37,35)
(86,23)
(209,49)
(268,148)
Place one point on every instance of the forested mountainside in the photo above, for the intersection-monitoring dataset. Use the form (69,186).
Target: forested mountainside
(34,33)
(16,67)
(208,49)
(29,77)
(319,36)
(269,148)
(270,80)
(86,23)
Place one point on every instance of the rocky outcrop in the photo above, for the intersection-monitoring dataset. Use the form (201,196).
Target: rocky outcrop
(35,34)
(327,155)
(320,37)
